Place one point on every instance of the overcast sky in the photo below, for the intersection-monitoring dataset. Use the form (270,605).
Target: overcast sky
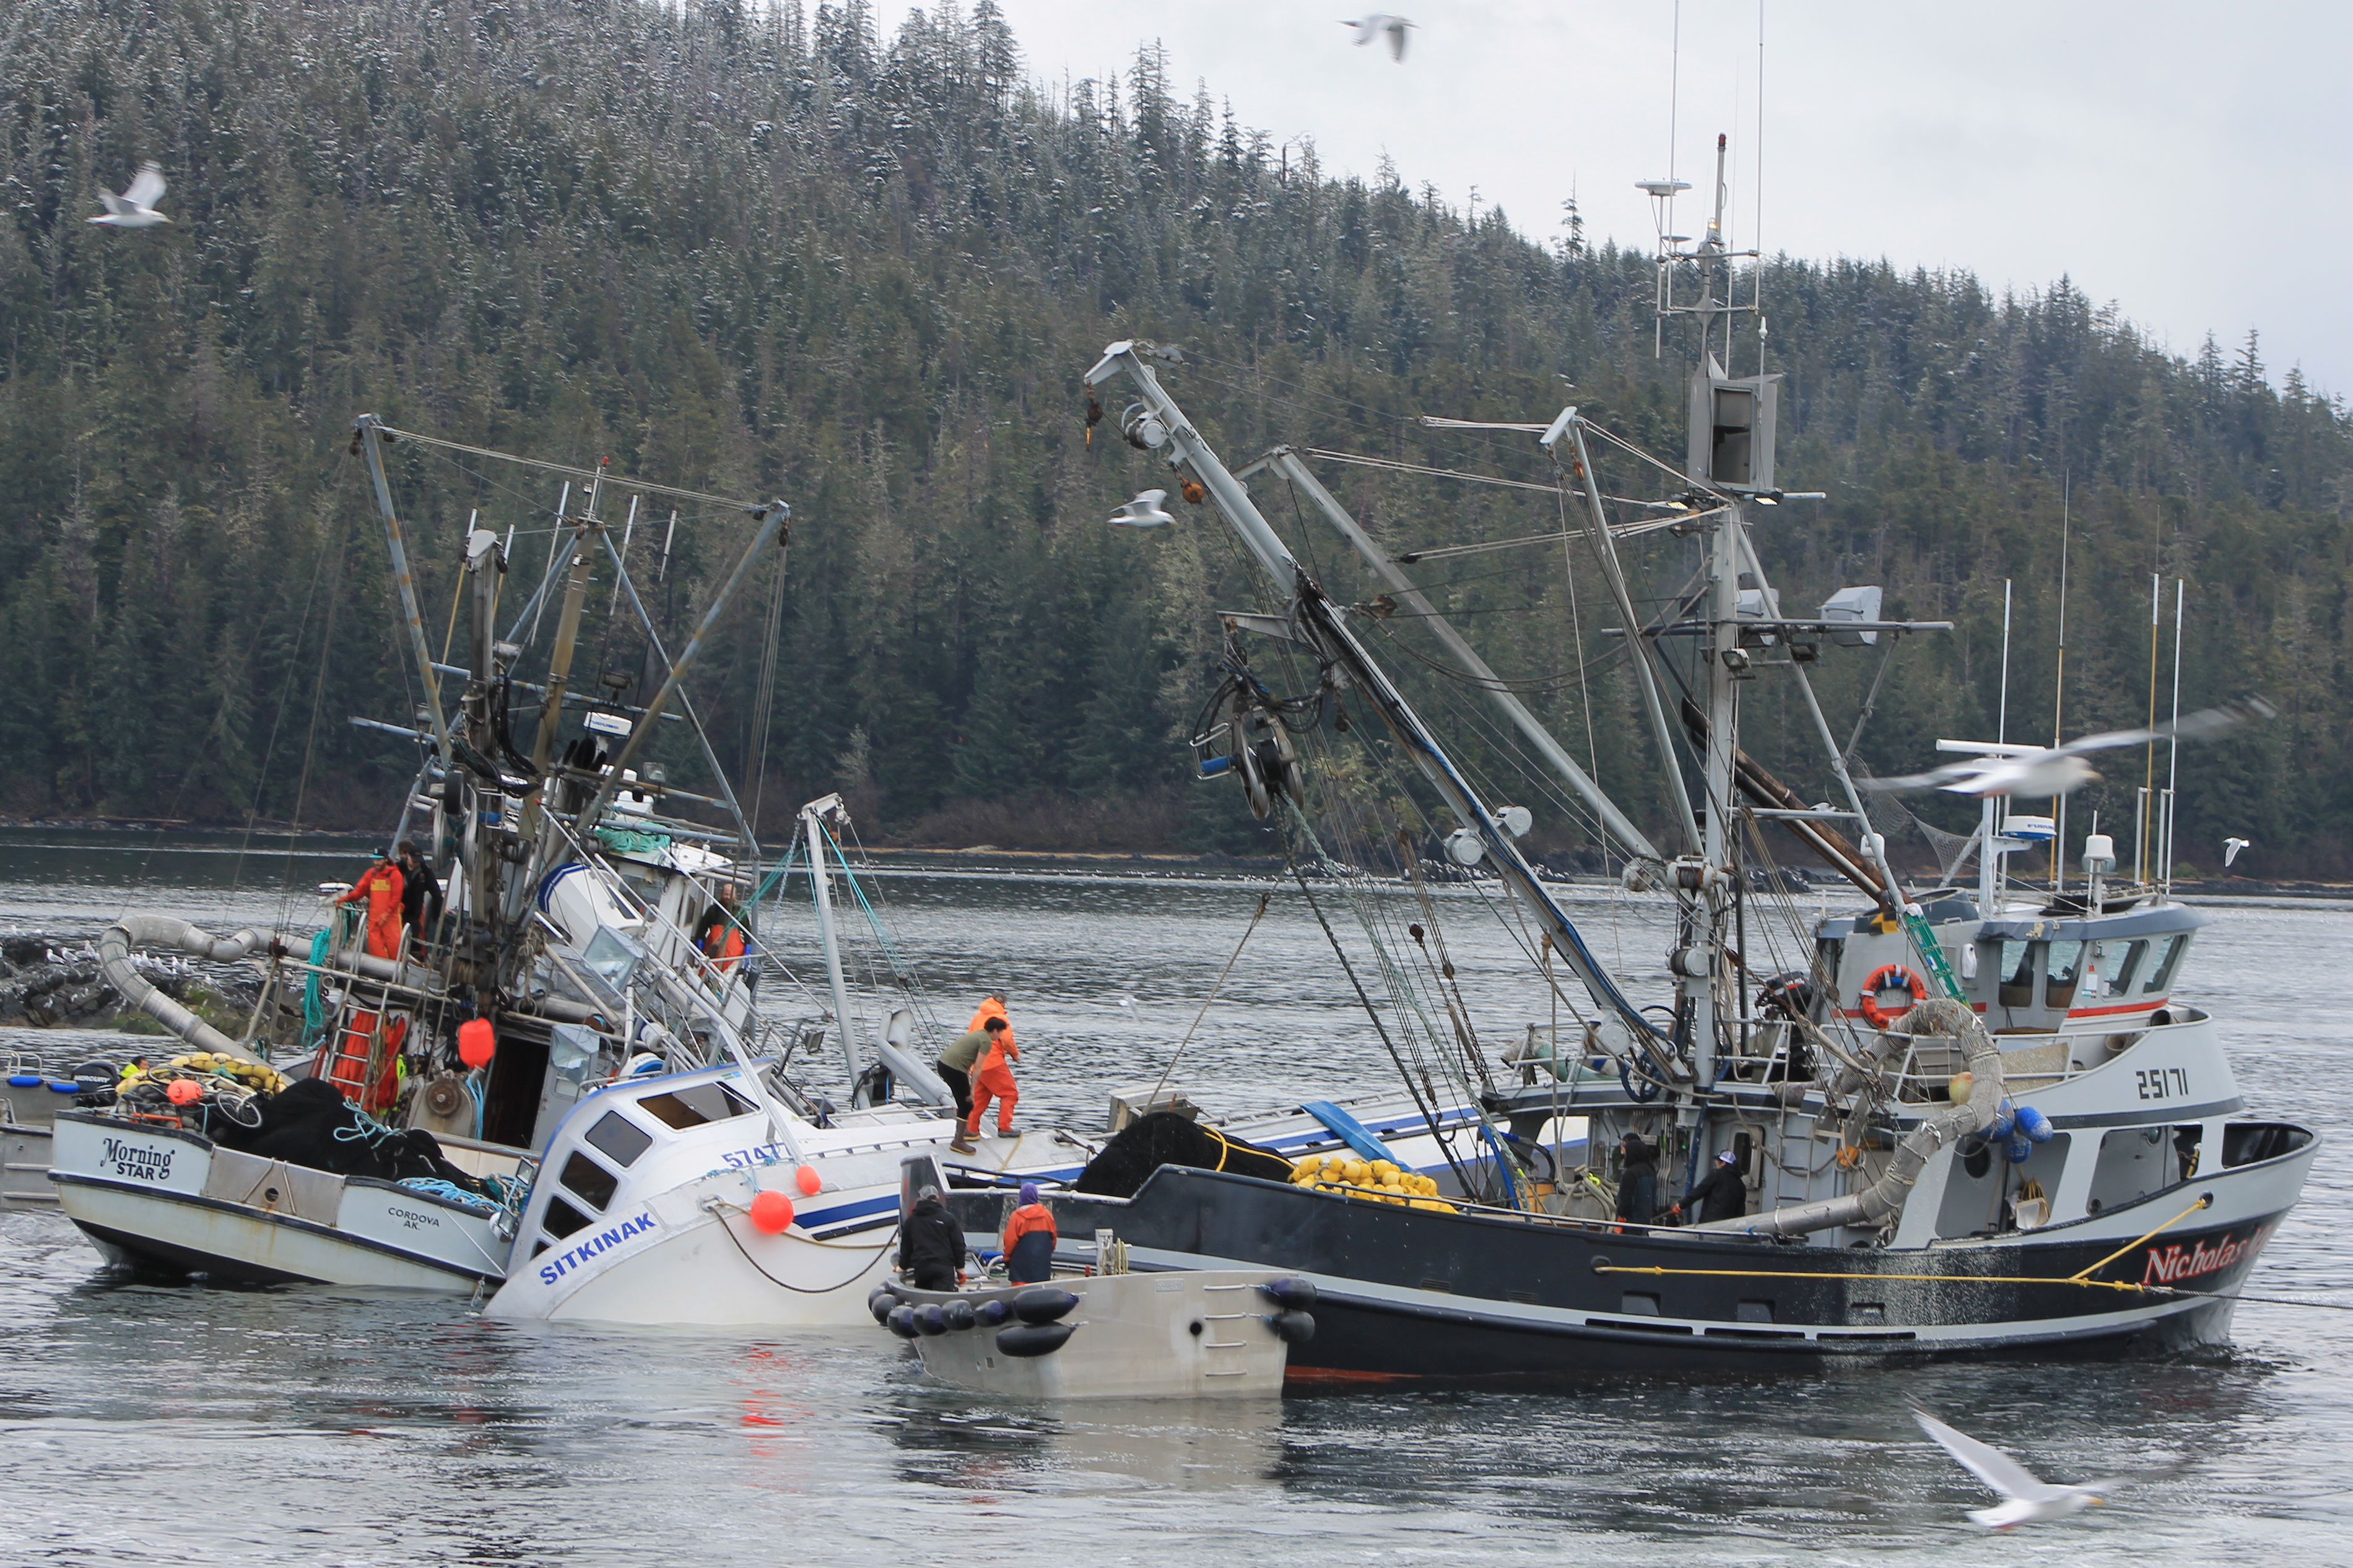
(2189,163)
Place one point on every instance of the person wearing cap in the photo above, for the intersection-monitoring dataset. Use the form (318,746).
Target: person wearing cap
(1030,1237)
(931,1244)
(1637,1180)
(1722,1194)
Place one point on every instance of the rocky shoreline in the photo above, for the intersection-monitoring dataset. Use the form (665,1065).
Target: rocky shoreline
(50,979)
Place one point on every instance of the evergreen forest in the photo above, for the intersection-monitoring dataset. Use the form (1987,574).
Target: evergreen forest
(774,251)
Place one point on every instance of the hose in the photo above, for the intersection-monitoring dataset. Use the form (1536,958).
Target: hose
(1885,1196)
(114,949)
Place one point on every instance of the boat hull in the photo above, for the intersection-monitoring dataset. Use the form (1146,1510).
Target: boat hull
(1415,1293)
(1180,1335)
(675,1261)
(25,1167)
(168,1202)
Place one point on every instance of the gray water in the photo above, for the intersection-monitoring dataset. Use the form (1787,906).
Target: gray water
(337,1427)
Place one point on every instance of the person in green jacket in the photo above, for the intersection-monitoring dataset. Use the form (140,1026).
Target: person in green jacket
(955,1063)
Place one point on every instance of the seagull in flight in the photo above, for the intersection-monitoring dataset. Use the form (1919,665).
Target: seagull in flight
(135,207)
(1381,25)
(2230,847)
(2063,770)
(1144,511)
(2030,1501)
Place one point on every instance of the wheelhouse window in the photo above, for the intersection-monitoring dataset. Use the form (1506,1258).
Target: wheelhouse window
(2113,963)
(2161,979)
(2018,959)
(2059,973)
(589,1181)
(686,1107)
(619,1139)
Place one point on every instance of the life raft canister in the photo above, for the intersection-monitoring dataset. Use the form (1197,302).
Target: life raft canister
(1890,977)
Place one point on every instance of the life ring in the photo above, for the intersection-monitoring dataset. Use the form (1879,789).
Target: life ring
(1889,977)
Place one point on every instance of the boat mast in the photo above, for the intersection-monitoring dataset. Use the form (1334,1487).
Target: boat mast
(1285,462)
(813,819)
(1323,623)
(369,436)
(1729,455)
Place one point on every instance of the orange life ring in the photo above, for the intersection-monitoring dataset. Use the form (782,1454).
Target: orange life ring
(1890,977)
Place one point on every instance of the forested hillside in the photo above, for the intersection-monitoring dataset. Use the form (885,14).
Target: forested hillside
(764,252)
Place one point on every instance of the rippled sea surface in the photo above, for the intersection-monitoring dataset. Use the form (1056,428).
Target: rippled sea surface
(151,1424)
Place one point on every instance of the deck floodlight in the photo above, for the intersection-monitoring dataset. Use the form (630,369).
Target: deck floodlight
(1852,605)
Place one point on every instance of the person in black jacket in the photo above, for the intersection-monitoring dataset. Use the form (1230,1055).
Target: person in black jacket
(420,895)
(931,1244)
(1637,1180)
(1722,1194)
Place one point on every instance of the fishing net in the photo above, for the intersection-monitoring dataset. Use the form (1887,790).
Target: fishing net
(1165,1137)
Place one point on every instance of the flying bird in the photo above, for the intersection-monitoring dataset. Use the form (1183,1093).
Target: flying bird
(1144,511)
(2230,847)
(2061,770)
(1381,25)
(135,207)
(2030,1501)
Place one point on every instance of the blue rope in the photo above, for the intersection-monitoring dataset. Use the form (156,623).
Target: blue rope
(449,1191)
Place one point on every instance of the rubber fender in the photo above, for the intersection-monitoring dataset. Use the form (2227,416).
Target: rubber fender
(929,1319)
(2034,1124)
(2019,1149)
(958,1315)
(900,1321)
(1034,1339)
(2005,1119)
(1043,1305)
(1295,1327)
(1298,1293)
(993,1312)
(880,1303)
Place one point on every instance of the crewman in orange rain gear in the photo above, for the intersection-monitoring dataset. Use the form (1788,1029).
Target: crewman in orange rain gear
(380,885)
(1030,1237)
(992,1080)
(993,1006)
(721,937)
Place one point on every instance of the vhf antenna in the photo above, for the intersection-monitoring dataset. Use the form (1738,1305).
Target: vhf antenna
(1711,252)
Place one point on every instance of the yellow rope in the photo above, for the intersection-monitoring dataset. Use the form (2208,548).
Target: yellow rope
(2079,1277)
(2128,1246)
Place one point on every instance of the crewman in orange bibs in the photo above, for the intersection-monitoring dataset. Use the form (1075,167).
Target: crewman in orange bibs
(993,1006)
(380,885)
(992,1080)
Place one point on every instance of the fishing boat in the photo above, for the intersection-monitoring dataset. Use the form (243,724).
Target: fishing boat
(1965,1120)
(593,966)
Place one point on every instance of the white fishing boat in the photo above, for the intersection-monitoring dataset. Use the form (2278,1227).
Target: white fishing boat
(588,937)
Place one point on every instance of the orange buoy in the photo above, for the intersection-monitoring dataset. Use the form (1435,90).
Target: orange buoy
(771,1212)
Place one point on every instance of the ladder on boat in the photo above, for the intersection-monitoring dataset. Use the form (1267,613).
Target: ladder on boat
(1932,954)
